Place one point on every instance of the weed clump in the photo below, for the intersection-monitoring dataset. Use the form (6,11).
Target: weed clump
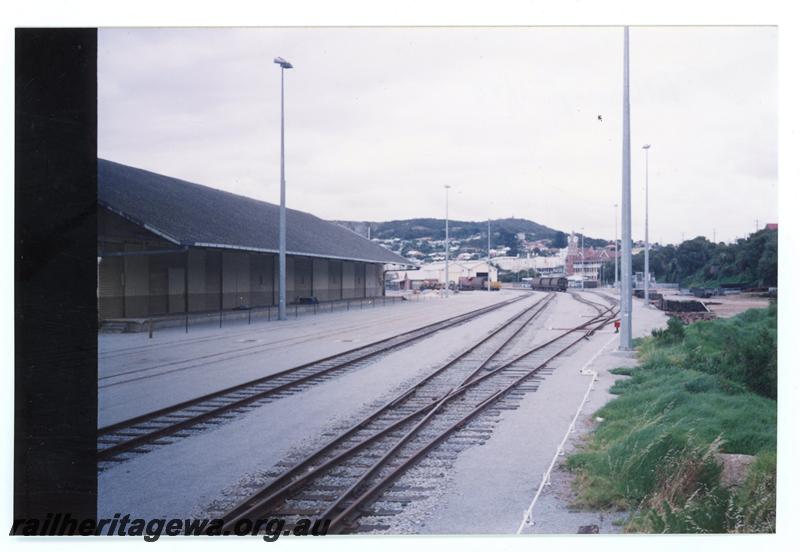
(674,332)
(699,391)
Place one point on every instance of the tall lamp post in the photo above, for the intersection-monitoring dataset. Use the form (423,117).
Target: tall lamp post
(626,292)
(489,254)
(646,149)
(616,249)
(282,217)
(583,263)
(446,240)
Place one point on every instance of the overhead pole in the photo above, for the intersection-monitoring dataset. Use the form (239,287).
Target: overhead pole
(489,253)
(282,214)
(616,247)
(646,149)
(626,302)
(583,261)
(446,240)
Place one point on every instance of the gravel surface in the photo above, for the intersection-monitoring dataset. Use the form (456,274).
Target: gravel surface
(138,375)
(479,481)
(210,469)
(490,486)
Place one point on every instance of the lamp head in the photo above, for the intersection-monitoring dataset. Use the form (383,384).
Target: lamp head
(646,147)
(283,63)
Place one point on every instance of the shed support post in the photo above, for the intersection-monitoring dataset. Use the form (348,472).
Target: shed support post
(221,258)
(186,288)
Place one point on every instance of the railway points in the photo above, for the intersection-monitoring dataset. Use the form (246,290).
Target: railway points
(432,427)
(200,363)
(134,434)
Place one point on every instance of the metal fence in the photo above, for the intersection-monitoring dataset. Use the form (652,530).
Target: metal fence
(251,314)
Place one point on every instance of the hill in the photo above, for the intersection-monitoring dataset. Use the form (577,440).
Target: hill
(422,239)
(433,228)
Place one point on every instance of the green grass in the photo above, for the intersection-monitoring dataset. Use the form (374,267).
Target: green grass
(699,280)
(698,391)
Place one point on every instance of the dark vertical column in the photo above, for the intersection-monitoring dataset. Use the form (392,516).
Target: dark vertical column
(55,303)
(123,275)
(311,287)
(221,288)
(186,288)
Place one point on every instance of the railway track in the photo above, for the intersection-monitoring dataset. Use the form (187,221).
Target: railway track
(248,345)
(342,478)
(117,442)
(599,307)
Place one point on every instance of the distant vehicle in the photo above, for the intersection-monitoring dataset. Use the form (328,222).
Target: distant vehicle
(552,283)
(471,283)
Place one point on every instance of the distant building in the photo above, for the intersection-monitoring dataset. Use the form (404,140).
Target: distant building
(435,272)
(545,266)
(638,280)
(585,263)
(772,226)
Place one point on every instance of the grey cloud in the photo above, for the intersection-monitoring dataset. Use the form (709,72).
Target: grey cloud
(378,120)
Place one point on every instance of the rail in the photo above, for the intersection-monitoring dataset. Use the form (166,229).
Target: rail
(480,388)
(146,429)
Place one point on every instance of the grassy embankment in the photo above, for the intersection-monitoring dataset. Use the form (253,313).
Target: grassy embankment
(698,391)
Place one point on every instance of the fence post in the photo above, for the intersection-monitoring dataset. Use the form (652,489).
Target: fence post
(269,313)
(150,324)
(249,312)
(220,318)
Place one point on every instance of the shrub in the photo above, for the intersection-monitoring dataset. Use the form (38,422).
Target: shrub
(674,332)
(698,390)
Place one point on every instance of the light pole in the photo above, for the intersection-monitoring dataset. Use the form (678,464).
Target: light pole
(626,305)
(646,149)
(282,217)
(447,240)
(488,240)
(583,263)
(616,249)
(489,254)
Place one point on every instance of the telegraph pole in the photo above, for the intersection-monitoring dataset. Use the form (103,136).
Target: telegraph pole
(626,302)
(616,248)
(282,214)
(447,240)
(646,149)
(583,263)
(489,254)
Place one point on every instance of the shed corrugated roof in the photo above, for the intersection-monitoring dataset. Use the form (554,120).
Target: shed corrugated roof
(195,215)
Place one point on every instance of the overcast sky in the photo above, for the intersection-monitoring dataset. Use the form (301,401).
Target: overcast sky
(379,120)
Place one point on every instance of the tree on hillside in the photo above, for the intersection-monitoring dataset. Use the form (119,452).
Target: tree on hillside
(507,239)
(559,241)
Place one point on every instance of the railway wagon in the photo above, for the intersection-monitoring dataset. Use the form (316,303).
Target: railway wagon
(471,283)
(549,284)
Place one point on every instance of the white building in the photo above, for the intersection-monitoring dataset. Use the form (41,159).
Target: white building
(436,272)
(543,265)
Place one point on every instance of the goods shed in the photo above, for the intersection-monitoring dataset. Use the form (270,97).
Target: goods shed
(167,246)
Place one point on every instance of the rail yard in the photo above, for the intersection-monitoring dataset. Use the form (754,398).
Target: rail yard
(513,277)
(375,428)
